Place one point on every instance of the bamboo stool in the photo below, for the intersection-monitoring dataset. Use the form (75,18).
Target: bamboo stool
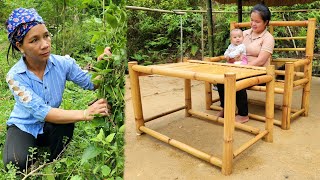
(234,77)
(294,79)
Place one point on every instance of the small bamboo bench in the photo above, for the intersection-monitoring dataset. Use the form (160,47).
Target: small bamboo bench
(294,77)
(234,77)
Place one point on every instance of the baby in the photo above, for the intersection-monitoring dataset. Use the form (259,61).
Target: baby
(236,52)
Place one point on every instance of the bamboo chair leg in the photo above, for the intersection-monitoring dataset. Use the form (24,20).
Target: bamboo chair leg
(136,97)
(229,121)
(188,102)
(287,96)
(269,108)
(208,95)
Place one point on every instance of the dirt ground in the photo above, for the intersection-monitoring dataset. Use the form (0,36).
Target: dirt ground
(294,154)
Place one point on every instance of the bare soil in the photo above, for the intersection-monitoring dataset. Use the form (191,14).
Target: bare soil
(294,154)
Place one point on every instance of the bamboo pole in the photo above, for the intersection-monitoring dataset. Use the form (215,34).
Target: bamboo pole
(263,119)
(301,63)
(186,148)
(208,94)
(275,23)
(287,96)
(269,108)
(290,38)
(220,120)
(263,88)
(228,65)
(180,73)
(164,114)
(286,60)
(298,113)
(300,82)
(249,143)
(214,59)
(262,103)
(308,68)
(289,49)
(136,96)
(229,118)
(251,116)
(210,28)
(248,82)
(187,93)
(281,72)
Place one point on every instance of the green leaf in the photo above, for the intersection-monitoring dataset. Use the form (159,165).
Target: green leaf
(105,170)
(76,177)
(99,50)
(194,49)
(89,153)
(110,137)
(112,20)
(121,129)
(50,173)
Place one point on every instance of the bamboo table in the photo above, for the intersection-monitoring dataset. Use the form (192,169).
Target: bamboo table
(234,77)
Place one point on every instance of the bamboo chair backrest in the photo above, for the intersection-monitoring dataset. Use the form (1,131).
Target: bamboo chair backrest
(310,26)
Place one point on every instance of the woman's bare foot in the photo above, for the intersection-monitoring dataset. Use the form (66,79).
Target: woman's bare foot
(220,114)
(242,119)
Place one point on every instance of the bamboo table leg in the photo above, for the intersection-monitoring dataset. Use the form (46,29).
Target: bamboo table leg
(187,90)
(269,107)
(208,95)
(229,121)
(136,97)
(287,96)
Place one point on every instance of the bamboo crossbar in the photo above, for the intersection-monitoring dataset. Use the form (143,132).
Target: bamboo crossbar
(252,81)
(263,119)
(286,60)
(282,72)
(289,49)
(263,88)
(164,114)
(275,23)
(217,119)
(252,116)
(301,62)
(228,64)
(195,152)
(212,78)
(290,38)
(262,103)
(300,82)
(249,143)
(214,59)
(298,113)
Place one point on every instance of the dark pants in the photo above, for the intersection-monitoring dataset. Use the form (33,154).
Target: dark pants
(241,100)
(55,136)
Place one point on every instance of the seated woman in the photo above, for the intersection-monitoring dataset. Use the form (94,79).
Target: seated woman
(259,47)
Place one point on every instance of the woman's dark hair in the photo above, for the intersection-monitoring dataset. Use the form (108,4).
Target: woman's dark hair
(263,11)
(12,46)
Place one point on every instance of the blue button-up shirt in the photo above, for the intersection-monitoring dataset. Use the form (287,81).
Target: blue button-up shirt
(35,97)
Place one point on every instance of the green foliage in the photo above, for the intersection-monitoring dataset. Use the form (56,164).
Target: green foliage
(80,28)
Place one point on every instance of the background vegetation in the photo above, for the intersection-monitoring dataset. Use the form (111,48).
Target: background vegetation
(154,37)
(80,28)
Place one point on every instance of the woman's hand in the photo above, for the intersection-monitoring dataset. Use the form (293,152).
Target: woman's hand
(107,51)
(100,107)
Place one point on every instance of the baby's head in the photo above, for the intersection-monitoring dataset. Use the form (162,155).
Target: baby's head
(236,36)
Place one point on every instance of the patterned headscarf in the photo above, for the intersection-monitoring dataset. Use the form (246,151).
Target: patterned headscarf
(20,22)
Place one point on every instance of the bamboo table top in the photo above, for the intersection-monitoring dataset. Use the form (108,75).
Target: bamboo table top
(202,70)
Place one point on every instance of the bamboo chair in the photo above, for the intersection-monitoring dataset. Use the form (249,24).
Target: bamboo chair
(297,72)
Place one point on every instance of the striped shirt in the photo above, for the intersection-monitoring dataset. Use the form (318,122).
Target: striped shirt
(35,97)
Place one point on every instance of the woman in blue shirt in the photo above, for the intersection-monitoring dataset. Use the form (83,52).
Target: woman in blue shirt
(37,82)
